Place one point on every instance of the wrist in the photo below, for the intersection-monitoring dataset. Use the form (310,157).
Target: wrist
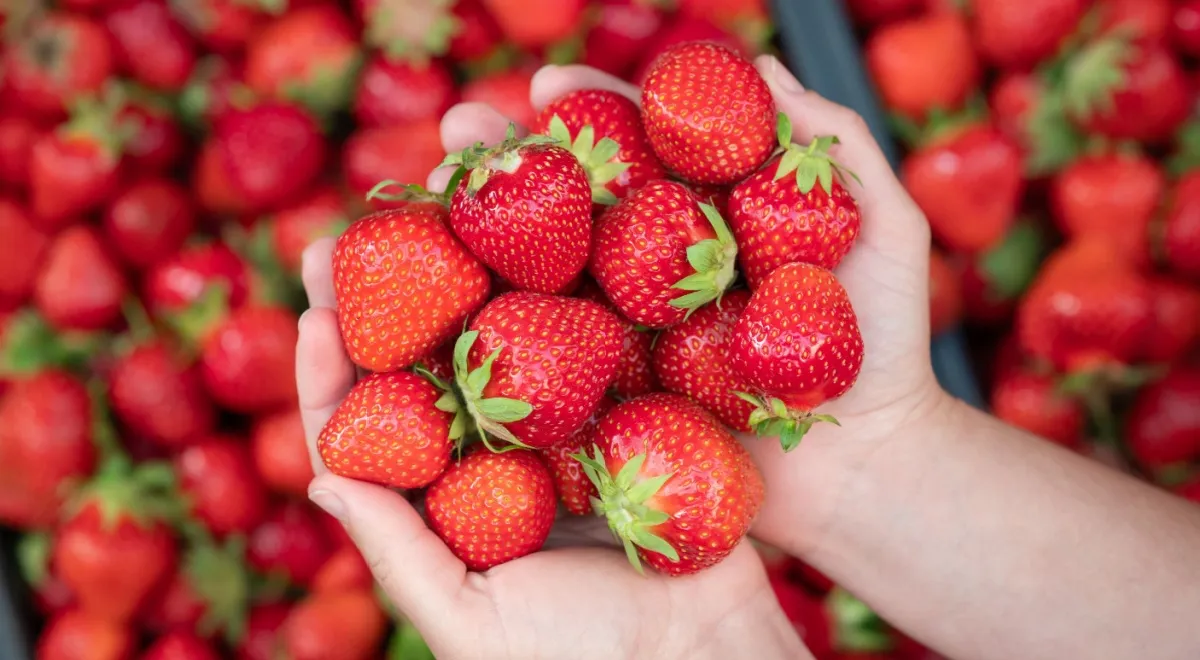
(760,630)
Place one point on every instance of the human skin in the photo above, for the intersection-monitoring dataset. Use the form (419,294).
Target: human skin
(975,538)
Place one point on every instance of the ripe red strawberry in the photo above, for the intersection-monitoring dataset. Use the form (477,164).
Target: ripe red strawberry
(221,25)
(506,91)
(535,24)
(75,168)
(271,152)
(692,359)
(209,592)
(545,247)
(155,141)
(570,482)
(650,454)
(1176,328)
(584,119)
(1017,34)
(293,228)
(281,453)
(794,209)
(571,344)
(808,616)
(45,446)
(247,360)
(1180,234)
(215,83)
(17,137)
(23,249)
(345,570)
(635,369)
(263,623)
(410,31)
(740,16)
(880,12)
(309,55)
(660,253)
(404,152)
(75,634)
(349,625)
(150,44)
(223,491)
(117,547)
(492,508)
(1034,402)
(970,173)
(476,35)
(393,92)
(395,429)
(698,129)
(389,323)
(290,543)
(1185,27)
(797,360)
(182,280)
(1162,428)
(1087,309)
(149,221)
(180,646)
(923,63)
(80,285)
(622,31)
(679,30)
(945,294)
(1128,91)
(63,58)
(157,393)
(1145,20)
(1113,196)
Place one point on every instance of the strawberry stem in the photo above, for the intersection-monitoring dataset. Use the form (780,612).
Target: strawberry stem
(771,417)
(598,159)
(490,414)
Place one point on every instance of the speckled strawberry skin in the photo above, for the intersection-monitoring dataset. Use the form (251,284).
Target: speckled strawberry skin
(572,484)
(635,369)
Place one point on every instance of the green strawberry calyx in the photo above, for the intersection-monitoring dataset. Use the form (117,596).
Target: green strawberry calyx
(451,403)
(714,260)
(1011,265)
(597,158)
(811,162)
(1092,76)
(412,32)
(145,494)
(406,192)
(772,417)
(489,413)
(217,573)
(477,163)
(623,501)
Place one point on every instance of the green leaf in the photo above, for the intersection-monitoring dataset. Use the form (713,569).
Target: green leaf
(632,555)
(748,398)
(629,471)
(462,348)
(695,282)
(33,557)
(481,376)
(654,517)
(704,256)
(407,644)
(604,197)
(558,131)
(717,222)
(792,435)
(695,300)
(825,175)
(778,407)
(586,139)
(758,416)
(783,128)
(654,543)
(605,150)
(647,488)
(458,427)
(788,163)
(447,403)
(806,175)
(499,409)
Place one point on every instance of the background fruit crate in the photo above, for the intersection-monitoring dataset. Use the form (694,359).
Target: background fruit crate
(14,620)
(819,44)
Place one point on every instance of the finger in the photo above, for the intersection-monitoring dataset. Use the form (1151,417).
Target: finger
(324,374)
(316,271)
(464,125)
(551,82)
(410,563)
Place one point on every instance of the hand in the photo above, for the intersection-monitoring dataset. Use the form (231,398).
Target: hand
(579,598)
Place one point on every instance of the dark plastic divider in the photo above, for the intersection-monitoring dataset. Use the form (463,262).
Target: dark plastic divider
(822,49)
(14,632)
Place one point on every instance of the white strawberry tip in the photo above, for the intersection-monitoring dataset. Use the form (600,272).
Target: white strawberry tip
(622,502)
(715,263)
(598,159)
(478,162)
(490,414)
(811,162)
(772,417)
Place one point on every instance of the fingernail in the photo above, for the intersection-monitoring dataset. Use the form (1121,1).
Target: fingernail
(300,321)
(784,78)
(330,503)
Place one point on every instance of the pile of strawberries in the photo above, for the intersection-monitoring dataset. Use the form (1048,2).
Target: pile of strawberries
(1053,147)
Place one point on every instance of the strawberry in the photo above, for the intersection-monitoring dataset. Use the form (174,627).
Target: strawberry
(394,92)
(1144,20)
(808,617)
(492,508)
(309,55)
(570,482)
(476,34)
(214,189)
(182,280)
(281,453)
(80,285)
(209,593)
(75,634)
(116,547)
(150,44)
(390,322)
(742,16)
(692,359)
(63,58)
(406,152)
(1114,196)
(216,82)
(149,221)
(571,344)
(261,641)
(271,152)
(290,543)
(247,360)
(650,455)
(1176,328)
(1087,309)
(1017,34)
(736,132)
(292,228)
(1185,27)
(180,646)
(348,625)
(17,137)
(923,63)
(681,29)
(793,210)
(622,31)
(992,282)
(1180,231)
(1034,402)
(973,173)
(881,12)
(155,141)
(797,360)
(582,120)
(1127,91)
(506,91)
(635,369)
(534,24)
(24,248)
(45,446)
(660,253)
(549,245)
(1190,491)
(409,31)
(1162,428)
(945,295)
(221,25)
(223,490)
(395,429)
(157,393)
(345,570)
(75,169)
